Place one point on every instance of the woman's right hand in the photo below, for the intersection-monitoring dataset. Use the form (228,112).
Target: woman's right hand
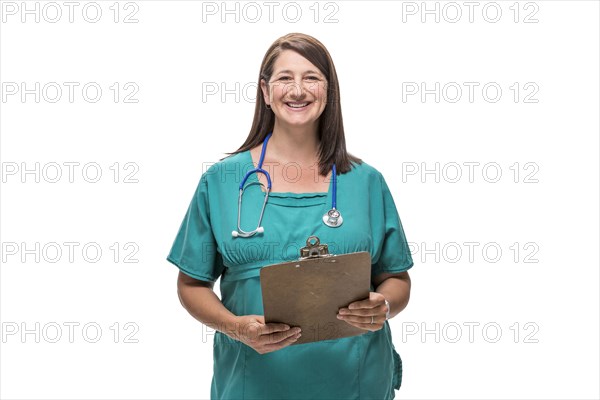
(264,338)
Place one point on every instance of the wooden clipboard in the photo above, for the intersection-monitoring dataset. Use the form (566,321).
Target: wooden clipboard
(309,292)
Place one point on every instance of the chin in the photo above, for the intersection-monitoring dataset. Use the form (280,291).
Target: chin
(296,123)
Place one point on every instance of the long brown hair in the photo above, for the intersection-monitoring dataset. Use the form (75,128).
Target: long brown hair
(330,131)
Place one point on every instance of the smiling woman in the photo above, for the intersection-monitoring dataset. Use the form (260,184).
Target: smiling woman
(298,95)
(298,115)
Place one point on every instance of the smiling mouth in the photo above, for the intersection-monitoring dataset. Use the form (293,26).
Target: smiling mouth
(298,106)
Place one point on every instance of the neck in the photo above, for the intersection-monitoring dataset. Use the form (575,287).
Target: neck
(294,144)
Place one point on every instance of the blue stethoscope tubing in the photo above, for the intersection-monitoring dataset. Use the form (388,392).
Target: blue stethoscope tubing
(332,218)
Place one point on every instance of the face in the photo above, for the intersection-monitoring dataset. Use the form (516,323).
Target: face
(297,91)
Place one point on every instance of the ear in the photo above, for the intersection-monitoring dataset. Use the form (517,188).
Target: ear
(265,89)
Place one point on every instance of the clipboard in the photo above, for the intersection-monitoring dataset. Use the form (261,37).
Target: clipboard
(309,292)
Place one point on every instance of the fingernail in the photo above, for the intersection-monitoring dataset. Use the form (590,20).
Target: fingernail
(340,316)
(343,311)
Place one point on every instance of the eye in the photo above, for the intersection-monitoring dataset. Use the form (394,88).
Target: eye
(284,78)
(313,78)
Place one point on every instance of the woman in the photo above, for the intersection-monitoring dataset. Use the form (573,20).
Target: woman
(298,112)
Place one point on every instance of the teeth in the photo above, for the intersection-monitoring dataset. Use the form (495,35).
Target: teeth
(297,105)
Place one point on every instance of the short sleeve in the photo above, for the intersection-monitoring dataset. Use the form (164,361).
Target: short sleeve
(395,254)
(194,250)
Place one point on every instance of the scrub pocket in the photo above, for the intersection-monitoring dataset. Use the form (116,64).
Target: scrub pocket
(316,370)
(228,377)
(397,370)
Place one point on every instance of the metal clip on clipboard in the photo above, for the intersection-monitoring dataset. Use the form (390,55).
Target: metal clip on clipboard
(309,292)
(314,250)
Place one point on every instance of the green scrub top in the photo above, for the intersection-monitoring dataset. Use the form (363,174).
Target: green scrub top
(358,367)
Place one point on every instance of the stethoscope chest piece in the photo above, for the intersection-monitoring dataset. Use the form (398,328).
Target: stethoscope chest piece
(333,218)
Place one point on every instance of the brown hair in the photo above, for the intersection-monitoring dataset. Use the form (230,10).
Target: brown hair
(330,131)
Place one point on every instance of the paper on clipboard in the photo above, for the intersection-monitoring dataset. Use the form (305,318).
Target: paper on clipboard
(309,292)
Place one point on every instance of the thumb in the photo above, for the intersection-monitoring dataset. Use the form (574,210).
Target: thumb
(376,296)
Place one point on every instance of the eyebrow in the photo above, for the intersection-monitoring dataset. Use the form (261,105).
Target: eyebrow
(287,71)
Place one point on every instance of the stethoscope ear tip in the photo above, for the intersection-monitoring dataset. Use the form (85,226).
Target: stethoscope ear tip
(234,233)
(260,229)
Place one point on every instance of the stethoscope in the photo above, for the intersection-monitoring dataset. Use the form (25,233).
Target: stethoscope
(332,218)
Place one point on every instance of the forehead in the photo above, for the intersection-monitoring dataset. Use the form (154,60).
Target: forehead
(290,61)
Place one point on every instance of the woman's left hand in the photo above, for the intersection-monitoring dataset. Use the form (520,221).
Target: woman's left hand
(361,313)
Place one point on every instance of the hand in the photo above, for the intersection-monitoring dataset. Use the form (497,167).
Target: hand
(359,313)
(264,338)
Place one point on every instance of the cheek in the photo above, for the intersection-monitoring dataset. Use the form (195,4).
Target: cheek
(322,93)
(277,91)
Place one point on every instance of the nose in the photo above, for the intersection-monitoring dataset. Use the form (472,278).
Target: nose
(295,90)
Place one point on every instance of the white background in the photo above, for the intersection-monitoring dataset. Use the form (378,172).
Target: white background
(547,311)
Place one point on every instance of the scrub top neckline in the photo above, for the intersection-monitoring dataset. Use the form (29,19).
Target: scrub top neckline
(291,198)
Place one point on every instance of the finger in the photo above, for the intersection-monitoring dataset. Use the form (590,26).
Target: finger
(375,299)
(359,305)
(361,319)
(364,311)
(283,343)
(367,327)
(274,327)
(277,337)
